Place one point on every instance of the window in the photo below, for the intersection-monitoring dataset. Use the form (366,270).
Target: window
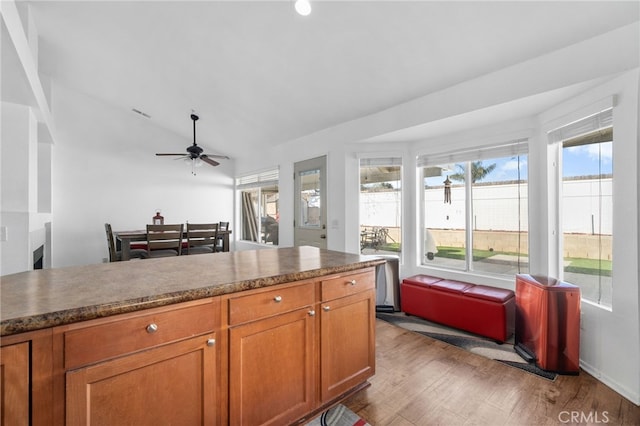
(475,209)
(380,205)
(259,212)
(310,199)
(586,203)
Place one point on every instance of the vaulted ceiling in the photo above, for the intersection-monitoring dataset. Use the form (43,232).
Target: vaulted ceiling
(258,74)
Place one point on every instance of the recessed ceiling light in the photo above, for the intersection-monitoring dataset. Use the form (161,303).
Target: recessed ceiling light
(303,7)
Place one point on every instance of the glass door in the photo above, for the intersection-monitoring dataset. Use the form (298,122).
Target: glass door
(310,203)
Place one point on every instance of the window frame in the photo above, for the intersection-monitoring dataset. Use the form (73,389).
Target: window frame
(499,148)
(392,160)
(256,181)
(597,117)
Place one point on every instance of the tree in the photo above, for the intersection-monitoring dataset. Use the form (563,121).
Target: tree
(478,172)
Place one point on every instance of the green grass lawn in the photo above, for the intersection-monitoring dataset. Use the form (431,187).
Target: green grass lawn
(390,247)
(588,266)
(459,253)
(576,265)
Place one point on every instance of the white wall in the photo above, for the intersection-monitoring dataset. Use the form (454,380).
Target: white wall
(610,343)
(14,151)
(610,339)
(23,223)
(100,174)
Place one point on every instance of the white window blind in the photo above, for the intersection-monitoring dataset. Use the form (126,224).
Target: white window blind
(592,123)
(380,162)
(256,180)
(510,148)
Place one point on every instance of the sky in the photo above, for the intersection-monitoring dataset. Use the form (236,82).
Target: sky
(577,161)
(583,160)
(506,170)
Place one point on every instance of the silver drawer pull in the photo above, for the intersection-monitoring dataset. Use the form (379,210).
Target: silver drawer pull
(152,328)
(278,299)
(312,313)
(211,342)
(352,282)
(326,308)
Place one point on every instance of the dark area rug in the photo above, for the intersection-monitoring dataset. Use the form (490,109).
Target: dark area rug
(479,345)
(338,416)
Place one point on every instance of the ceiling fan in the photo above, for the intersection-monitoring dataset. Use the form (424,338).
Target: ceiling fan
(195,153)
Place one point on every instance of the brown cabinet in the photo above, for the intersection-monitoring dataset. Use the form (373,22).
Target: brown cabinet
(271,369)
(347,334)
(298,347)
(152,367)
(271,356)
(91,342)
(25,379)
(14,384)
(171,384)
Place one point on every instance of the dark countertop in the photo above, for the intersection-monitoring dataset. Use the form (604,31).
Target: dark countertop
(49,297)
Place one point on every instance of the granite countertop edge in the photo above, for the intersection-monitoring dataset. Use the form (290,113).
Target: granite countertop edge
(13,326)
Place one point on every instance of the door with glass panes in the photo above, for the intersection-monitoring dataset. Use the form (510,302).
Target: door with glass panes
(310,224)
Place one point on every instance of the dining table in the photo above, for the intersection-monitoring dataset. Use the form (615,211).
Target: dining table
(140,235)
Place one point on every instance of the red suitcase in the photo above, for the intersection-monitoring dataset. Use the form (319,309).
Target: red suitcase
(548,323)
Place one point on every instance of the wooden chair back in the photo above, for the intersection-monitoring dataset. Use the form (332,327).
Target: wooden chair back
(165,237)
(113,254)
(222,226)
(201,236)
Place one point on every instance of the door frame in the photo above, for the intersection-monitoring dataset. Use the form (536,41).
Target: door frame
(310,235)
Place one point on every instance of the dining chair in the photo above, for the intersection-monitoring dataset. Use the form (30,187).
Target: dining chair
(164,240)
(202,238)
(222,226)
(116,255)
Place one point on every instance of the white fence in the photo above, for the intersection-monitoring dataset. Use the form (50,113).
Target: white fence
(496,207)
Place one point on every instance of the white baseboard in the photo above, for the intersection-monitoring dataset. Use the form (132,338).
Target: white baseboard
(630,394)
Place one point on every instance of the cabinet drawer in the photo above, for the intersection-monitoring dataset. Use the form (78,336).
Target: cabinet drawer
(347,284)
(272,302)
(133,333)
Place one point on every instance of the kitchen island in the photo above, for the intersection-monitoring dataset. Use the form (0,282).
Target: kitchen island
(250,337)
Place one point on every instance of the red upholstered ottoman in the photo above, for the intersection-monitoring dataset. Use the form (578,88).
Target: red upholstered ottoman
(484,310)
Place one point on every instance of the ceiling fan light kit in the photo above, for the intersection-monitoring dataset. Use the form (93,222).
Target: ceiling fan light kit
(195,154)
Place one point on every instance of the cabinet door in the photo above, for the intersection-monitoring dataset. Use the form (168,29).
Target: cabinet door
(168,385)
(347,343)
(14,384)
(271,369)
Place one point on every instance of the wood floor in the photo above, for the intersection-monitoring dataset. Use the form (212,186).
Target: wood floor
(421,381)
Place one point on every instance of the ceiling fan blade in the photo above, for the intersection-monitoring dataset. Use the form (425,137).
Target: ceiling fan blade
(208,160)
(170,154)
(224,157)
